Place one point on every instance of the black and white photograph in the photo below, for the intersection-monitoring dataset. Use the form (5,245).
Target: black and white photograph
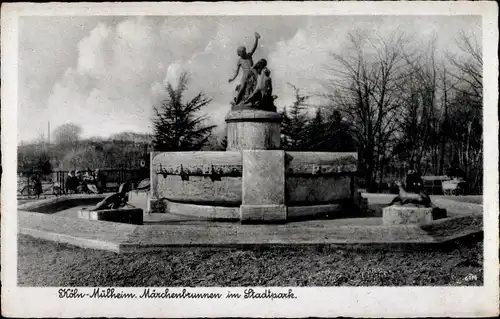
(176,160)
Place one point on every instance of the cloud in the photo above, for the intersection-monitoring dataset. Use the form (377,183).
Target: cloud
(116,79)
(111,71)
(121,67)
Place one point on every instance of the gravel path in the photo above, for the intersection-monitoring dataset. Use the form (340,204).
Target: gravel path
(43,263)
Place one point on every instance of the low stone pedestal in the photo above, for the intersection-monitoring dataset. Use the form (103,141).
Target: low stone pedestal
(253,130)
(121,215)
(399,215)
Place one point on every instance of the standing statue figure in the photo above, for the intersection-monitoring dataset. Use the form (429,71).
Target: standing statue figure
(245,63)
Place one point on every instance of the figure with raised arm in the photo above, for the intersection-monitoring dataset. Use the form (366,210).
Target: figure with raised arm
(245,63)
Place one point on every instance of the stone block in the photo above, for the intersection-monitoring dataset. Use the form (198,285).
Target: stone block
(121,215)
(263,213)
(263,186)
(139,199)
(203,211)
(263,177)
(402,215)
(321,163)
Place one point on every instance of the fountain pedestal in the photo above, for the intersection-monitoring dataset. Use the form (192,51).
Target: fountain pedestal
(256,133)
(253,130)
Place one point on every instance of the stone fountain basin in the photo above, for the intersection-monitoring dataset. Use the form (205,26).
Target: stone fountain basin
(60,203)
(121,237)
(215,178)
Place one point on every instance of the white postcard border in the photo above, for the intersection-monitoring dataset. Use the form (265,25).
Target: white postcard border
(325,301)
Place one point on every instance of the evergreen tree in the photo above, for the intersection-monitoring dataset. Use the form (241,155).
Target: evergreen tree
(336,135)
(177,125)
(294,125)
(315,132)
(285,125)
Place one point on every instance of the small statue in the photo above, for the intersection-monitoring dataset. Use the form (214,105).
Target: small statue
(114,201)
(245,63)
(405,197)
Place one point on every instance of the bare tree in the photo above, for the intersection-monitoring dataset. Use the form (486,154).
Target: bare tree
(420,117)
(468,66)
(364,87)
(68,133)
(466,107)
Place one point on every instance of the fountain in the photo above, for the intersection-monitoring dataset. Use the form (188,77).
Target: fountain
(253,180)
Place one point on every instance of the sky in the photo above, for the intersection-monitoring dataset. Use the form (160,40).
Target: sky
(106,73)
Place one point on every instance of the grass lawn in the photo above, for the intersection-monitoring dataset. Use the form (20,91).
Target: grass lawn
(45,263)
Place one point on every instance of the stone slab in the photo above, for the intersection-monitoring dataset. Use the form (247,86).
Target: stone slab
(248,115)
(404,215)
(139,199)
(196,162)
(203,211)
(72,240)
(195,158)
(75,227)
(263,213)
(320,163)
(263,177)
(121,215)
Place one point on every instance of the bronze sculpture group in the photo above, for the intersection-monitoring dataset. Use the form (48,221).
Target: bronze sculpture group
(255,88)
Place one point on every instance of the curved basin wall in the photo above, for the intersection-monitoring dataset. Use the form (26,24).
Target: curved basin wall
(203,178)
(201,190)
(315,178)
(215,178)
(56,204)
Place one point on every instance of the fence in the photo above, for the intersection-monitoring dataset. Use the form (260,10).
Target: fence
(113,178)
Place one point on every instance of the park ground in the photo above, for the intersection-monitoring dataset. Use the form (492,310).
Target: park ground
(47,263)
(44,263)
